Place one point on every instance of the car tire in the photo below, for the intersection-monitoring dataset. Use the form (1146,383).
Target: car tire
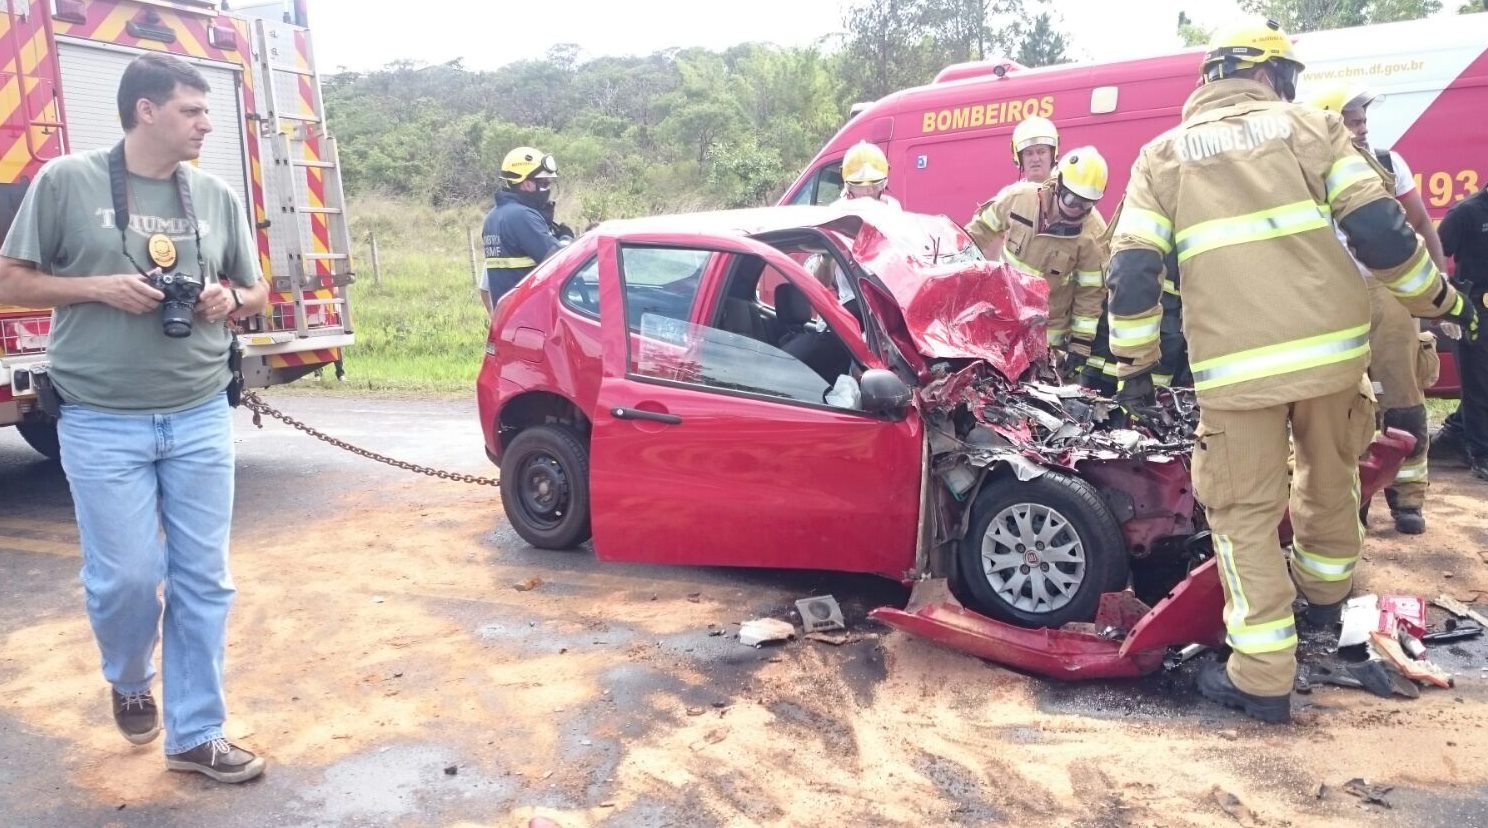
(42,436)
(1004,572)
(545,487)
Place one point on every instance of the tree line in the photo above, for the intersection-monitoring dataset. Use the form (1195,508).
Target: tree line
(689,129)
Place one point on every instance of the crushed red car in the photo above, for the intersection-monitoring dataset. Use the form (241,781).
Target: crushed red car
(851,388)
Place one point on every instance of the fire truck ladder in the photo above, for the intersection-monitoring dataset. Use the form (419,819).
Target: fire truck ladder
(300,144)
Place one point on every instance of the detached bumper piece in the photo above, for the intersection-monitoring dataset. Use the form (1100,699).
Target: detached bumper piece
(1127,639)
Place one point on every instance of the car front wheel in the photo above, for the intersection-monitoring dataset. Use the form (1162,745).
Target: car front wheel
(1040,552)
(545,487)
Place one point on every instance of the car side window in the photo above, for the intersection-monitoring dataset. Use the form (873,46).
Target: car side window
(581,291)
(789,356)
(823,188)
(661,282)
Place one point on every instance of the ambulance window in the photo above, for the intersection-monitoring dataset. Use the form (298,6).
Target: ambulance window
(823,188)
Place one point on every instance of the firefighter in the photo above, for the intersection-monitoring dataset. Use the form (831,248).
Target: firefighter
(1464,435)
(517,234)
(1035,148)
(1100,370)
(865,175)
(1396,342)
(1277,323)
(1053,230)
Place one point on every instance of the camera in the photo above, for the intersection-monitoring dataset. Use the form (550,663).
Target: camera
(181,291)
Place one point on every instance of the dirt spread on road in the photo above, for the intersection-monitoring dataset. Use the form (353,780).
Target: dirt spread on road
(374,651)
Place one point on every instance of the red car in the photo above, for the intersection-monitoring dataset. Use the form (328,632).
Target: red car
(686,390)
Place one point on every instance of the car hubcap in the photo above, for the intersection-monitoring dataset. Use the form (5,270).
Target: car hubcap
(544,490)
(1033,558)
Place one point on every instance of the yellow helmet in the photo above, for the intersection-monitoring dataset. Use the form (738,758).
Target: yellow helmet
(864,164)
(523,163)
(1338,98)
(1083,172)
(1032,132)
(1249,46)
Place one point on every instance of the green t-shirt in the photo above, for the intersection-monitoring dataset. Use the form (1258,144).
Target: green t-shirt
(106,358)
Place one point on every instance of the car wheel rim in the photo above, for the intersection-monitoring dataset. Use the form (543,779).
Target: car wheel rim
(544,492)
(1033,558)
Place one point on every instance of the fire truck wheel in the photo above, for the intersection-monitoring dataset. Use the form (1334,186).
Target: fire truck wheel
(42,436)
(545,487)
(1040,552)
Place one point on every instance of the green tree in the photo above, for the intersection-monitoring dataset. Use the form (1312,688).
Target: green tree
(1470,7)
(1191,33)
(1042,45)
(1311,15)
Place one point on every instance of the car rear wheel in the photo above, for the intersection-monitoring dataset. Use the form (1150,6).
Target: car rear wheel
(42,436)
(1040,552)
(545,487)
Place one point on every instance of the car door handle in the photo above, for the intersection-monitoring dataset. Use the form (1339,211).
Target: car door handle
(638,414)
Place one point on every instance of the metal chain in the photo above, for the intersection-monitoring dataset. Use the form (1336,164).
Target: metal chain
(254,403)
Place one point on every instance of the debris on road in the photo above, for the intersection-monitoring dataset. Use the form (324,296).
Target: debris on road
(760,630)
(1459,609)
(820,614)
(835,639)
(1453,630)
(1232,805)
(451,770)
(1389,648)
(1371,794)
(528,585)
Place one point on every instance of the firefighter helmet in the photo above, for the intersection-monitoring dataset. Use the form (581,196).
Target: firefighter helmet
(1083,172)
(1338,98)
(1252,45)
(864,164)
(524,163)
(1032,132)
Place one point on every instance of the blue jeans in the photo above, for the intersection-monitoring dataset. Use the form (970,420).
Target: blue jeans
(154,495)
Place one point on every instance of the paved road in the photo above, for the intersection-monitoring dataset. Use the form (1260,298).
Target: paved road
(379,643)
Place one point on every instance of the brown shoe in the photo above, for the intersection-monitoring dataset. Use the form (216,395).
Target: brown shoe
(136,716)
(219,759)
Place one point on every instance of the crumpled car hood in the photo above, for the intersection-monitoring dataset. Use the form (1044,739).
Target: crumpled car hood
(954,304)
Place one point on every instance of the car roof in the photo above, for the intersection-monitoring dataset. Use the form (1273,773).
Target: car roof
(760,220)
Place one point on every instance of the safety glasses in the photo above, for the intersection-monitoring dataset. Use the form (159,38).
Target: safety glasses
(1073,202)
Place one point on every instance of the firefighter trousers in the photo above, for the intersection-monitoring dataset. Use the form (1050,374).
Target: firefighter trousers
(1240,475)
(1395,363)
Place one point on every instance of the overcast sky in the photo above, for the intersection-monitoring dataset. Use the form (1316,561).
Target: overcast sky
(348,34)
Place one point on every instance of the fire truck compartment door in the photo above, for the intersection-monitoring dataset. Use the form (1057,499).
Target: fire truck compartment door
(90,86)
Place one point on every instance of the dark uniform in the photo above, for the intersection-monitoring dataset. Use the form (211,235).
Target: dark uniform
(516,238)
(1464,236)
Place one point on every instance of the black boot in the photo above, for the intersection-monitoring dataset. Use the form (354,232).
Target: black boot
(1325,617)
(1409,521)
(1215,685)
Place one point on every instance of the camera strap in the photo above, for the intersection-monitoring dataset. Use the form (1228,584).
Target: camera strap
(119,189)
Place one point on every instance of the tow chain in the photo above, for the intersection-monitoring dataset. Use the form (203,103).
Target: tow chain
(254,403)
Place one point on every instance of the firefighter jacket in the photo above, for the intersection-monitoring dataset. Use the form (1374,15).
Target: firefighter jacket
(1172,367)
(1069,259)
(516,238)
(1245,191)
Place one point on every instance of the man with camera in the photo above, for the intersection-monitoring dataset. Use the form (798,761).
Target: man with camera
(130,245)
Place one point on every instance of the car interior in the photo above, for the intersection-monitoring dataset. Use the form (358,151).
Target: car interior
(791,324)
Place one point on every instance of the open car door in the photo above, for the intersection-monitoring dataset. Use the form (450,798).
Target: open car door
(714,441)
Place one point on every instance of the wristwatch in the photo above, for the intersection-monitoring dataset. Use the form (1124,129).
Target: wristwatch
(237,299)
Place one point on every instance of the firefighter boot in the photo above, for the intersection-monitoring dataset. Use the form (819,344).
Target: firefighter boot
(1408,519)
(1215,685)
(1324,617)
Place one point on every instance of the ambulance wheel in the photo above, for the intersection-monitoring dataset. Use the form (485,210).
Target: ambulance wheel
(1040,552)
(545,487)
(41,435)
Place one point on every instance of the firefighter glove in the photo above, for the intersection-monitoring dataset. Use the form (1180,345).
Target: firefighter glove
(1464,314)
(1136,393)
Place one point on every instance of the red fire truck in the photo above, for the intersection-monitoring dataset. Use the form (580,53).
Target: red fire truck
(60,63)
(948,141)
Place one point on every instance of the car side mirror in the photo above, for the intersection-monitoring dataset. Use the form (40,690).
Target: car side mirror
(883,392)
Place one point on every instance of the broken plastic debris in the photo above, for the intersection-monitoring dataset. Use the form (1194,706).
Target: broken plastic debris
(1389,648)
(1459,609)
(760,630)
(820,614)
(1371,794)
(1232,805)
(1453,630)
(528,585)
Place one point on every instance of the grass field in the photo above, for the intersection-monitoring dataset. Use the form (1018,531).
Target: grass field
(421,327)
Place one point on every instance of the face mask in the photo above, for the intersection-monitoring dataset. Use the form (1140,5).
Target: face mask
(536,199)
